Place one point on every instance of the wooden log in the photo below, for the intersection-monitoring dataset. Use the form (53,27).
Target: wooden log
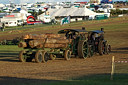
(25,37)
(52,46)
(42,36)
(35,43)
(57,41)
(56,45)
(22,44)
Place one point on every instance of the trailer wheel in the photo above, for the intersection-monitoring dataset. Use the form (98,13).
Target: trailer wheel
(41,56)
(45,57)
(101,48)
(38,56)
(52,56)
(22,56)
(67,55)
(83,49)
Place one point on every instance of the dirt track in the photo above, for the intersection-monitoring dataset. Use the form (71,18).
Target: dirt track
(58,69)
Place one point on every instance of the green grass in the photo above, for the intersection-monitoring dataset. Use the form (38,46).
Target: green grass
(9,51)
(9,48)
(89,25)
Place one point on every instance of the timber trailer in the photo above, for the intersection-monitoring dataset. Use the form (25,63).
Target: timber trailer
(49,46)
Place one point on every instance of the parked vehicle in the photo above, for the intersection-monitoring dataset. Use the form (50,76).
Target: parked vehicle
(48,19)
(10,23)
(13,23)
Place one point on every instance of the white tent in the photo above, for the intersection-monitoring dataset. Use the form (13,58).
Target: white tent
(71,11)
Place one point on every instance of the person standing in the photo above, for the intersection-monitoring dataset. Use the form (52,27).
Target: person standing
(3,26)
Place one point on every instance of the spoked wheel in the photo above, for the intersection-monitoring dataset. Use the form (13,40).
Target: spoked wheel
(22,56)
(83,49)
(67,55)
(41,56)
(101,48)
(38,56)
(45,56)
(52,56)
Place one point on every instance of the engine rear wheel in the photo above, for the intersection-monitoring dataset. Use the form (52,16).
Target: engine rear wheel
(83,49)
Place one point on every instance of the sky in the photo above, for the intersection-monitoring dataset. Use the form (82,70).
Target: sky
(33,1)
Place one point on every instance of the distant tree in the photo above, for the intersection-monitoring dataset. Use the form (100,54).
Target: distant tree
(118,11)
(113,12)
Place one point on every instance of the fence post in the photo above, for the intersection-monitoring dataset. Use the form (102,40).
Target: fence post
(113,68)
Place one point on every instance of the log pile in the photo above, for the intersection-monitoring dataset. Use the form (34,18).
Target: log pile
(45,40)
(43,36)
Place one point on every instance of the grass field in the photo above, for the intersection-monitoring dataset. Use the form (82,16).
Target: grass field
(116,32)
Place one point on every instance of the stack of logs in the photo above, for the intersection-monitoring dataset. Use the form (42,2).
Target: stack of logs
(44,41)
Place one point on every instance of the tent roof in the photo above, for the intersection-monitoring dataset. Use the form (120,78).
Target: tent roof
(71,11)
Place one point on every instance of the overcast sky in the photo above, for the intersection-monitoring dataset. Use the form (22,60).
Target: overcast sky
(33,1)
